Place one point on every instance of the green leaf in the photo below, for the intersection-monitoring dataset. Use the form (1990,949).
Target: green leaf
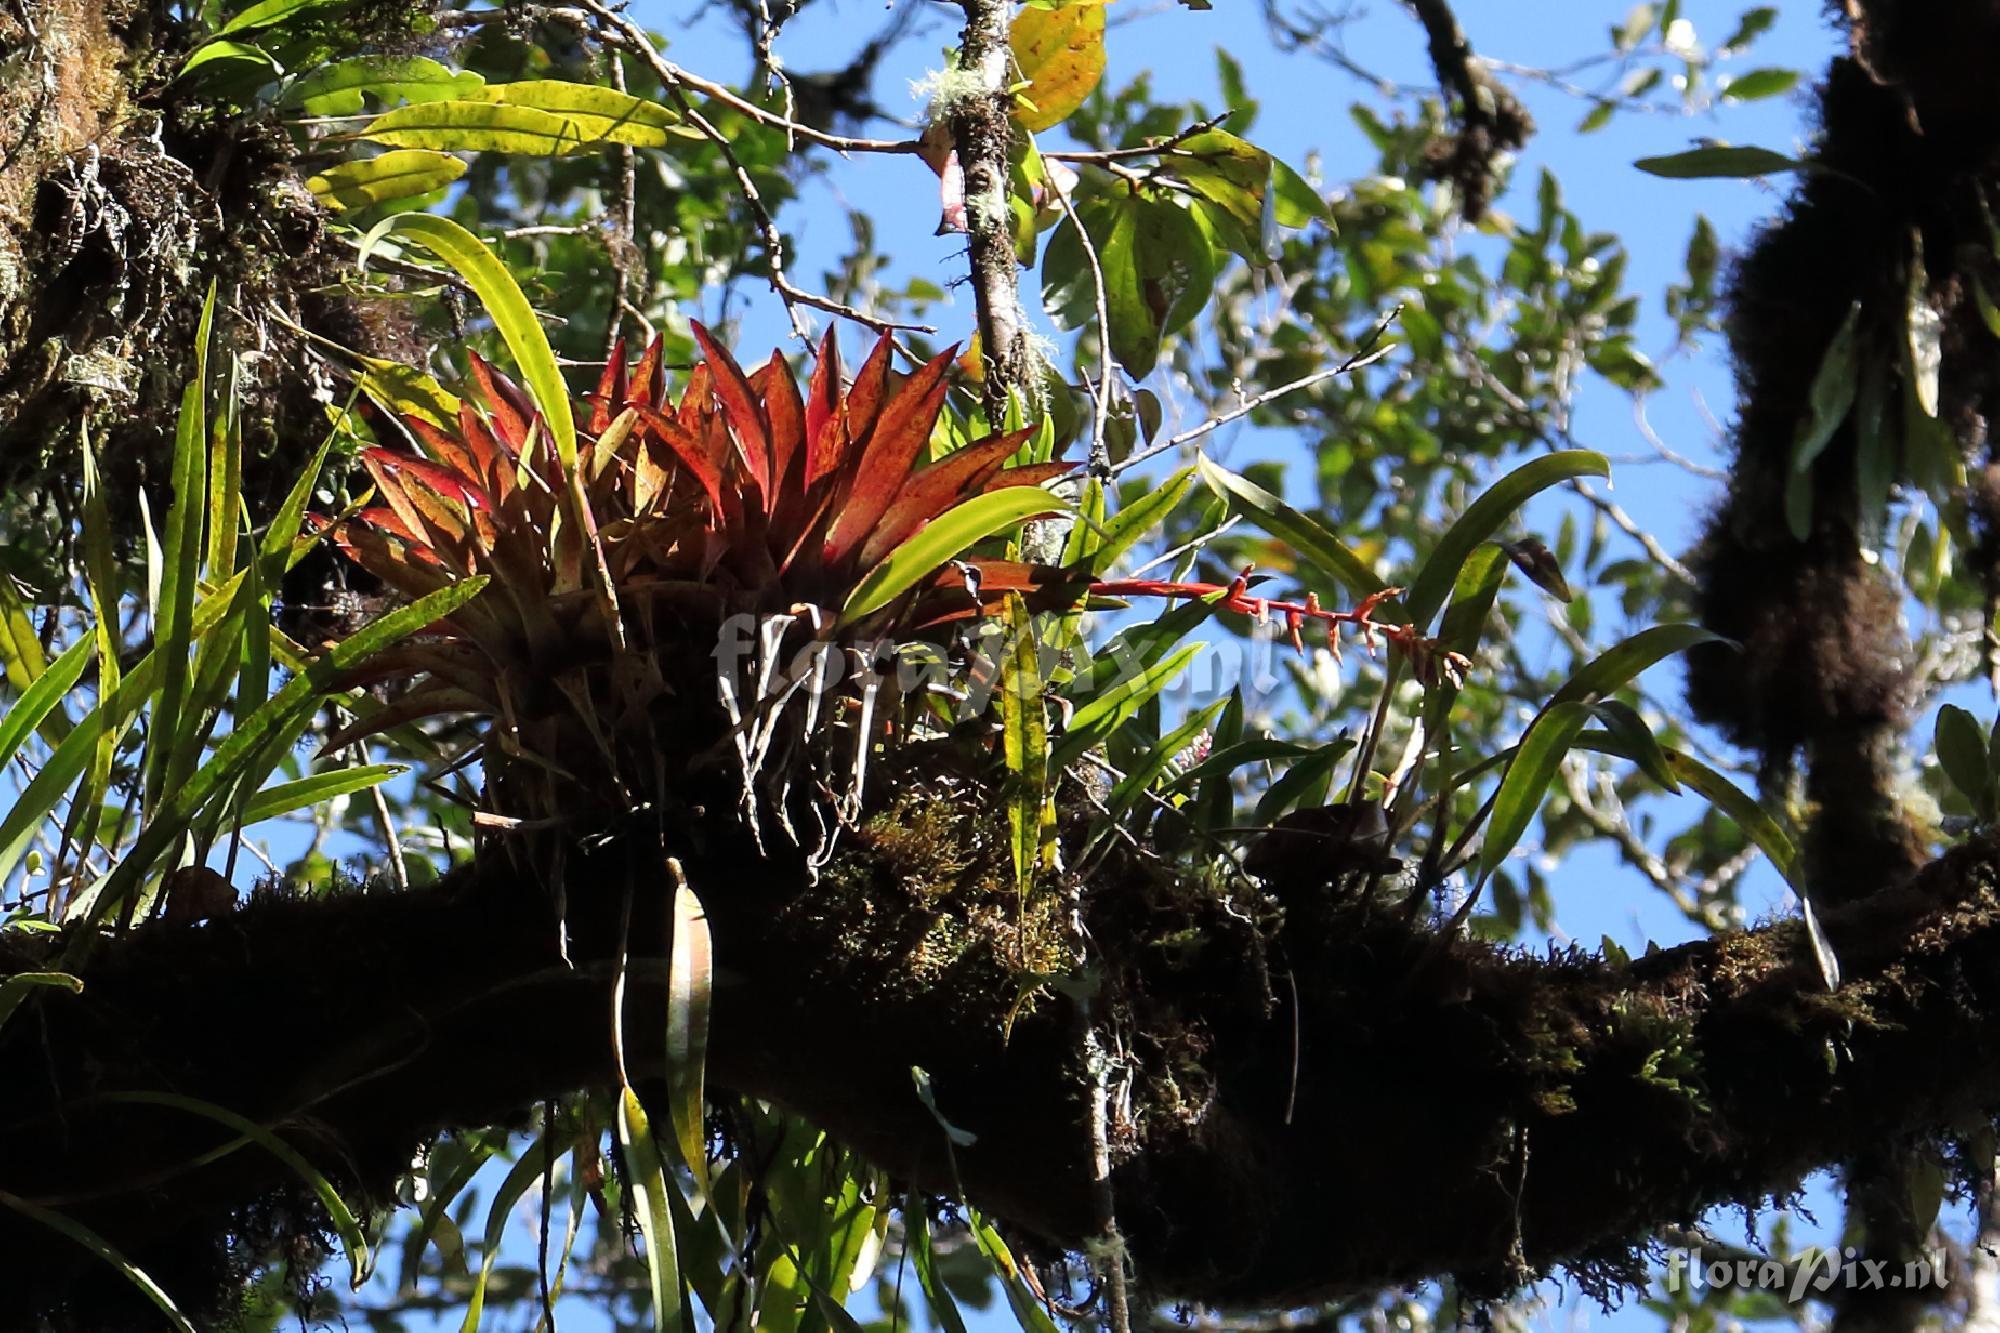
(1141,777)
(284,715)
(231,53)
(353,1240)
(1719,160)
(1615,666)
(944,538)
(528,1168)
(917,1236)
(1024,728)
(96,1244)
(1304,778)
(41,698)
(601,114)
(1961,753)
(283,799)
(690,990)
(647,1174)
(393,175)
(1313,543)
(508,308)
(1832,392)
(336,89)
(465,126)
(1527,781)
(1137,521)
(542,117)
(1758,83)
(1484,517)
(1623,721)
(267,12)
(1926,331)
(181,566)
(1095,721)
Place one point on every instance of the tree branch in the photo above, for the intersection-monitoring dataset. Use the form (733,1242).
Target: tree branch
(1650,1091)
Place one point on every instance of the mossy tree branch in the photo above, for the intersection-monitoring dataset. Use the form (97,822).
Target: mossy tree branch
(1642,1093)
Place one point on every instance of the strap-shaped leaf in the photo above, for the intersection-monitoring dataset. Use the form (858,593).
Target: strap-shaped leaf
(1484,517)
(647,1173)
(1527,781)
(397,174)
(68,1226)
(504,302)
(944,538)
(1313,543)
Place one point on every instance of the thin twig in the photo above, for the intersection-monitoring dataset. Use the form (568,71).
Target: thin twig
(629,35)
(1155,148)
(1365,355)
(1100,452)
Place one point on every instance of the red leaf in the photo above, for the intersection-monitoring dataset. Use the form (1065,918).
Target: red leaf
(740,405)
(687,449)
(1029,474)
(610,390)
(932,490)
(446,448)
(505,403)
(496,463)
(822,395)
(646,386)
(870,388)
(787,414)
(901,432)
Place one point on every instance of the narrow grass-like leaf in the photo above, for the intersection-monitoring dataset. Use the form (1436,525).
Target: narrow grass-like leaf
(41,698)
(1094,722)
(647,1175)
(283,799)
(1308,775)
(917,1237)
(944,538)
(1027,1309)
(1526,781)
(1147,771)
(97,1245)
(284,715)
(1720,792)
(352,1239)
(523,1175)
(1132,524)
(1623,721)
(1616,666)
(1313,543)
(1024,731)
(1484,517)
(690,989)
(509,309)
(180,568)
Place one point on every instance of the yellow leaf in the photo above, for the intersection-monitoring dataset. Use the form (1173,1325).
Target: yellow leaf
(1061,54)
(602,114)
(393,175)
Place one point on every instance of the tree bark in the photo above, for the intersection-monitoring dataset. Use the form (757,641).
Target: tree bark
(1457,1109)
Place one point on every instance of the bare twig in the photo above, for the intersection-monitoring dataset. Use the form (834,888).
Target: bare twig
(1156,148)
(1367,354)
(624,32)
